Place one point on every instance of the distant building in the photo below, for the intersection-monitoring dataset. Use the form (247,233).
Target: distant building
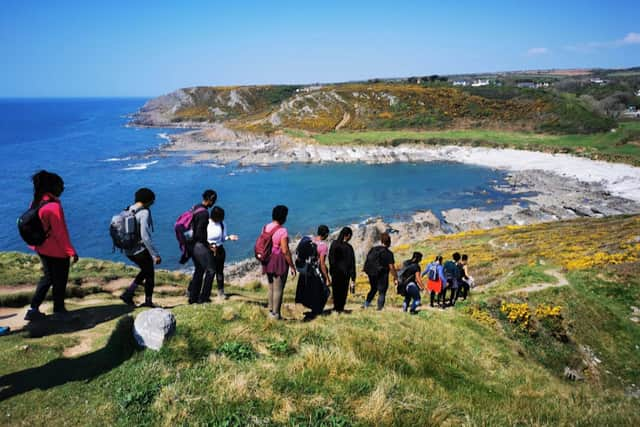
(460,83)
(479,82)
(533,85)
(598,81)
(308,89)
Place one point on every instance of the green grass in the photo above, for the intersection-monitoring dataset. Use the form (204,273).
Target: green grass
(610,146)
(229,365)
(21,268)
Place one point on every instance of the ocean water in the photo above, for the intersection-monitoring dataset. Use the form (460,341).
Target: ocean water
(103,162)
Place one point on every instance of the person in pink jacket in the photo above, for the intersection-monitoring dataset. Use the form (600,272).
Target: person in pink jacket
(57,251)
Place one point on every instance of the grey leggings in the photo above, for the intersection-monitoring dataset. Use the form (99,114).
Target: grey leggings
(276,291)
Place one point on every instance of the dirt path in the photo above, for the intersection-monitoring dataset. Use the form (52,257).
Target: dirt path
(345,119)
(562,281)
(8,290)
(535,287)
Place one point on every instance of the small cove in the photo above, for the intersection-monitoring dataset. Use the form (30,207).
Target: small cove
(103,163)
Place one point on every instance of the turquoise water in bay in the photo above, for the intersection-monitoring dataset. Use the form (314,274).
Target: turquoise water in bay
(103,162)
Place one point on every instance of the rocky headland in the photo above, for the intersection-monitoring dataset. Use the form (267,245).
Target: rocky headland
(546,187)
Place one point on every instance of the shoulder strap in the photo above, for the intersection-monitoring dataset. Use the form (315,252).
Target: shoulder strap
(272,232)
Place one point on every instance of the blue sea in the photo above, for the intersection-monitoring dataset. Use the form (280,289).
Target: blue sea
(103,162)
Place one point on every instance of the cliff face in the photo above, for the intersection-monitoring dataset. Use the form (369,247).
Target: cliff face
(327,108)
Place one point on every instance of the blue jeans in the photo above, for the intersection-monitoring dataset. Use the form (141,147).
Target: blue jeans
(413,293)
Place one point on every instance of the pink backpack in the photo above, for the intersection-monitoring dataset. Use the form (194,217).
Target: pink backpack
(184,231)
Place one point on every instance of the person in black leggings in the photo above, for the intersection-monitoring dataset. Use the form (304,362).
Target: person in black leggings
(216,236)
(144,254)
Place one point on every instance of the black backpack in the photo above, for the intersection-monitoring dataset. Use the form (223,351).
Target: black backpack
(373,265)
(30,226)
(405,276)
(306,253)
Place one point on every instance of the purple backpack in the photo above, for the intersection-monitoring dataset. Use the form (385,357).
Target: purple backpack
(184,231)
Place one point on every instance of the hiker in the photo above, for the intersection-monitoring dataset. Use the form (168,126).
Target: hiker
(467,281)
(278,260)
(312,290)
(216,236)
(321,244)
(56,250)
(143,254)
(199,245)
(378,265)
(342,266)
(436,281)
(412,282)
(453,274)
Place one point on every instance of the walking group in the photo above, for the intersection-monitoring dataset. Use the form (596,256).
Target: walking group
(202,233)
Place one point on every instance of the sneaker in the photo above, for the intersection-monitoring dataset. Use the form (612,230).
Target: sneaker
(274,316)
(127,298)
(222,295)
(366,304)
(34,314)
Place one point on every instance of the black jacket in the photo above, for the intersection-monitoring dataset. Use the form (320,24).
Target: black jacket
(342,260)
(199,223)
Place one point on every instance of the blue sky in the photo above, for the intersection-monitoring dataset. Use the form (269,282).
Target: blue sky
(147,48)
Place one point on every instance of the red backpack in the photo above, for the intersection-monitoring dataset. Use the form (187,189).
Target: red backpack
(264,244)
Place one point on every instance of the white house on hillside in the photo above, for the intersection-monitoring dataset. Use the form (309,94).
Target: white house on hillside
(479,82)
(598,81)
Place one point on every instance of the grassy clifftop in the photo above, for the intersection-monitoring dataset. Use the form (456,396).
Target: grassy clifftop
(361,106)
(555,303)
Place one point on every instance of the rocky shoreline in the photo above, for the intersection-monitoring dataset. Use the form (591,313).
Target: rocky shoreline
(550,187)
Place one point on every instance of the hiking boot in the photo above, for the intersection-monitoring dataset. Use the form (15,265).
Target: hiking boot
(34,314)
(127,298)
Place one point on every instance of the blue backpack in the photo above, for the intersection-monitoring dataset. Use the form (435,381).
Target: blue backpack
(432,271)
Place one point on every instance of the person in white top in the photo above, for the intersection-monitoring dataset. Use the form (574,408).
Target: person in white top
(216,236)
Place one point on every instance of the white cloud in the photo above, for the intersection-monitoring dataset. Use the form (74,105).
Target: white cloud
(537,51)
(631,38)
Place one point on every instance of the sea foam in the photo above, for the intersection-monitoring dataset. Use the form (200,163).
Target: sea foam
(140,166)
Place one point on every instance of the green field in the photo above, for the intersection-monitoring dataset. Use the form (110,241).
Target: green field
(621,145)
(497,359)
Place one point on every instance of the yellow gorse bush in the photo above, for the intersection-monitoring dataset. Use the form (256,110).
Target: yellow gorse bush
(544,311)
(517,313)
(481,316)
